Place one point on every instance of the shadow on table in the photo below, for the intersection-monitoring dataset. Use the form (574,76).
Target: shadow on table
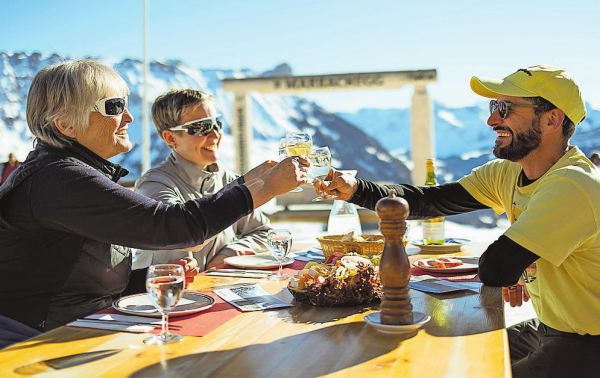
(459,313)
(48,337)
(64,362)
(315,353)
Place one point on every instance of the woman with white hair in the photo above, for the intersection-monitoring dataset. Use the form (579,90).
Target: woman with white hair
(66,226)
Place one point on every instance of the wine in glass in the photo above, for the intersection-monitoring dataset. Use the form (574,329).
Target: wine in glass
(164,284)
(320,162)
(280,243)
(298,143)
(283,153)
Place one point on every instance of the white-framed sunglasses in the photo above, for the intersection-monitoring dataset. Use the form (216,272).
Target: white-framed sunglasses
(201,127)
(111,106)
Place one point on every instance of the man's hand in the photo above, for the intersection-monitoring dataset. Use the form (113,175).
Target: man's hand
(338,184)
(516,294)
(190,267)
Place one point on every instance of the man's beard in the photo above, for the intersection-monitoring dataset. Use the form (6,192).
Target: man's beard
(522,144)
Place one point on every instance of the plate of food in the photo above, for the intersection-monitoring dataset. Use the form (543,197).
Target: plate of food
(140,304)
(450,245)
(260,261)
(445,265)
(350,280)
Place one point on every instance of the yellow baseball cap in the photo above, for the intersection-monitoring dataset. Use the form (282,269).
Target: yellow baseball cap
(551,83)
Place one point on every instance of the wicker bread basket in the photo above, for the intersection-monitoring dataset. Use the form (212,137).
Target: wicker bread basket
(332,243)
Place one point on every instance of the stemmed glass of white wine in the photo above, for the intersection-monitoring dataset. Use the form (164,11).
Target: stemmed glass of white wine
(283,153)
(320,162)
(280,244)
(164,284)
(298,143)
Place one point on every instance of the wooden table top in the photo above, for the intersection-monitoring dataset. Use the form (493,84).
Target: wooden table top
(465,338)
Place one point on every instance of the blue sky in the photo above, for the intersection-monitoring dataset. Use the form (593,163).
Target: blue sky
(459,38)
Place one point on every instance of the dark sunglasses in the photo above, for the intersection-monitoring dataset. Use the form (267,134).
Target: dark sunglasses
(502,107)
(201,127)
(111,106)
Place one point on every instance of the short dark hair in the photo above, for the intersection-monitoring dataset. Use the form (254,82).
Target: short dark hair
(168,108)
(568,127)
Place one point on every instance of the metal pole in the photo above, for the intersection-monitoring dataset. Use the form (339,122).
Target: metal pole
(145,123)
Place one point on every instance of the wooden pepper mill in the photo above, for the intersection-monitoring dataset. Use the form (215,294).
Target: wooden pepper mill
(394,268)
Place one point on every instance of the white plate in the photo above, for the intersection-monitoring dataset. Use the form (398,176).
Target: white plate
(262,261)
(465,267)
(139,304)
(451,245)
(374,320)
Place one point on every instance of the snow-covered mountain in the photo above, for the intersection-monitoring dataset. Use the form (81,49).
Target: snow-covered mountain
(272,117)
(379,148)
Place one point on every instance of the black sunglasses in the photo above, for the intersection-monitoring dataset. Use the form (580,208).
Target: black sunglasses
(502,107)
(111,106)
(201,127)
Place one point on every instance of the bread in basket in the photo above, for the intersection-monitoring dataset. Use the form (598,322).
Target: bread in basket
(361,244)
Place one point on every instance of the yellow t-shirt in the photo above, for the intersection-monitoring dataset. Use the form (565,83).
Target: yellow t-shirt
(558,218)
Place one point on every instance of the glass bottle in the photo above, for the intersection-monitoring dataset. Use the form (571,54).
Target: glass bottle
(343,217)
(433,229)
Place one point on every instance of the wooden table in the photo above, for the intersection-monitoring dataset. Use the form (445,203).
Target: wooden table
(465,338)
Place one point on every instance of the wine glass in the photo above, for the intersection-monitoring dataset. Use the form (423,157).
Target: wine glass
(164,284)
(283,153)
(298,143)
(280,243)
(320,162)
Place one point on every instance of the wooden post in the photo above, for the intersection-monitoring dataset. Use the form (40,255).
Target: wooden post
(394,268)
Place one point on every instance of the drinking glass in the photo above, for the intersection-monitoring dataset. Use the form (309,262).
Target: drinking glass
(283,153)
(280,243)
(298,143)
(320,162)
(164,284)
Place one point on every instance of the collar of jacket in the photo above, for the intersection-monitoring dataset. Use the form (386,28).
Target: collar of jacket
(44,154)
(199,179)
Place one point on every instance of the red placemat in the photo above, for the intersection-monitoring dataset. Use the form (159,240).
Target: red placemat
(459,277)
(202,323)
(198,324)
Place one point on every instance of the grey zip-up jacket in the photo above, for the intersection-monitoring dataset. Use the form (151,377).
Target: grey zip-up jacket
(176,180)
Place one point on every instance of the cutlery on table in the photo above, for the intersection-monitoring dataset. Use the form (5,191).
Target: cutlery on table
(125,323)
(239,273)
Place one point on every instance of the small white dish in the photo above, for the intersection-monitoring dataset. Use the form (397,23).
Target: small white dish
(374,320)
(450,245)
(259,261)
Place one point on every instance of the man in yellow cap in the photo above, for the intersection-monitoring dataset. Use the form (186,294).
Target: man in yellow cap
(550,192)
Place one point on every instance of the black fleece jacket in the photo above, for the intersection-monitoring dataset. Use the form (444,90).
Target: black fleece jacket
(66,229)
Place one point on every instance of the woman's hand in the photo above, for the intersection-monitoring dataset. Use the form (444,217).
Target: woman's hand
(259,170)
(190,267)
(338,184)
(285,176)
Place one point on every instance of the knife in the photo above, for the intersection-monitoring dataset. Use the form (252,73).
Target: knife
(125,323)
